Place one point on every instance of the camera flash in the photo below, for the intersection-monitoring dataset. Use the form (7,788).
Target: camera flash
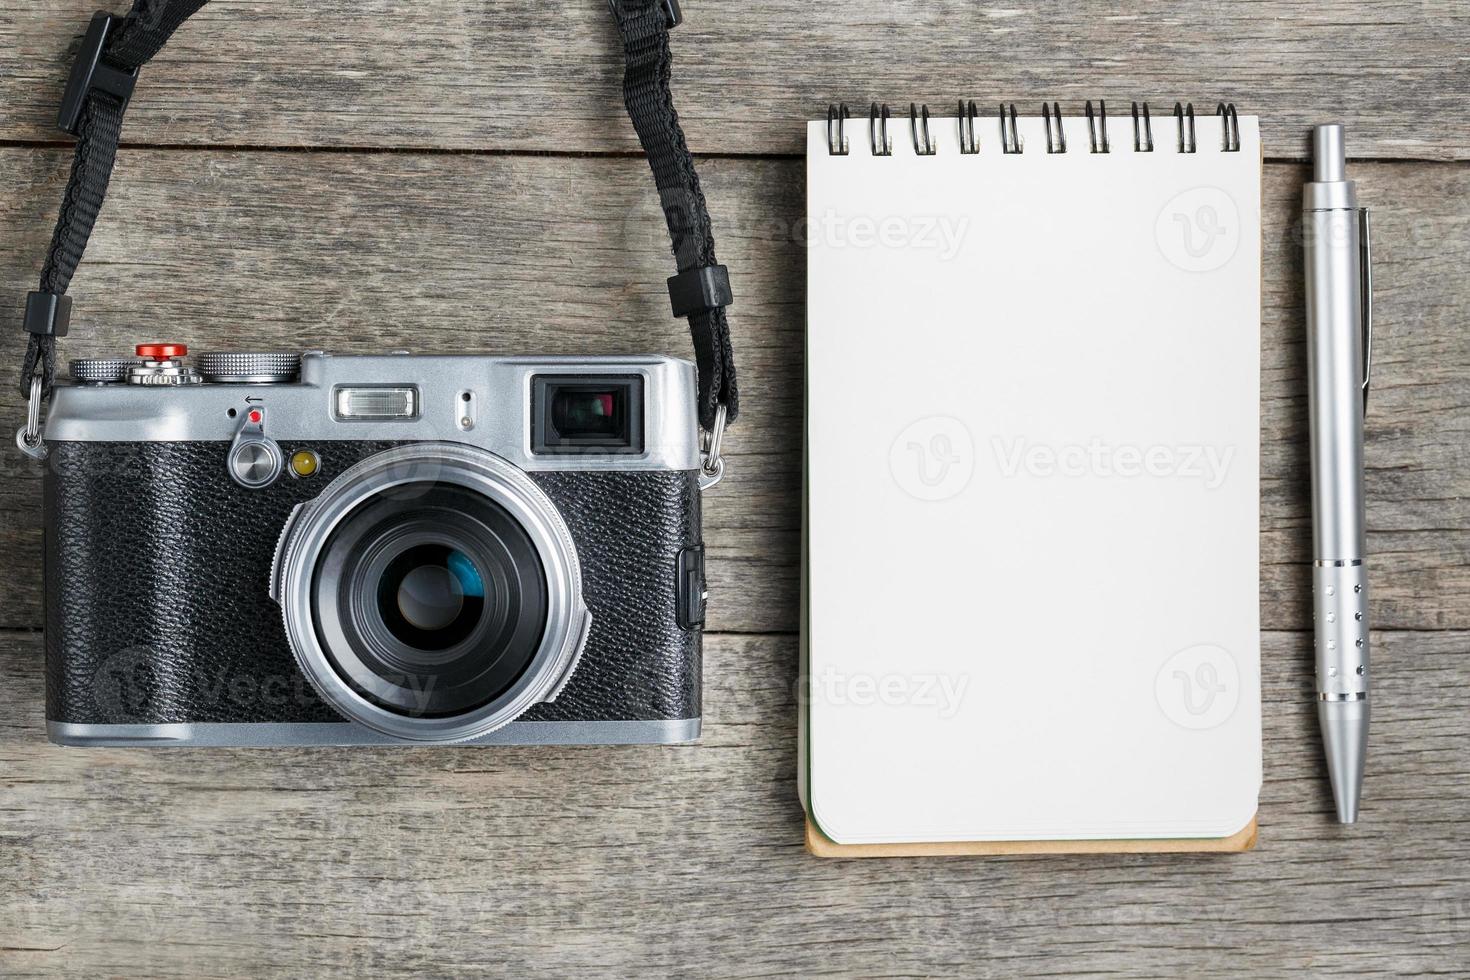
(375,404)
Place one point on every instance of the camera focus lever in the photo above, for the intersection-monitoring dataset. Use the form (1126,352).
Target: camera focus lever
(255,460)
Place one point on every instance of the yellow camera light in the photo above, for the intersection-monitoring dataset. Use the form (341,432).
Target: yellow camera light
(304,463)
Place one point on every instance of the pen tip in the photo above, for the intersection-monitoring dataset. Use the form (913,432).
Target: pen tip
(1345,734)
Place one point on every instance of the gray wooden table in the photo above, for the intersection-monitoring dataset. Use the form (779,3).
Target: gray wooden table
(452,174)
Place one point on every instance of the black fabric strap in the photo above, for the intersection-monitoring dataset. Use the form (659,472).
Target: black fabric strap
(644,26)
(130,45)
(146,29)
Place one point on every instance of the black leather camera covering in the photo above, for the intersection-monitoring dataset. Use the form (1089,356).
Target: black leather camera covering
(157,568)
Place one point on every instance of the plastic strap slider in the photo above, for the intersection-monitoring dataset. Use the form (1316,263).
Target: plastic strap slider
(47,314)
(673,16)
(92,72)
(697,290)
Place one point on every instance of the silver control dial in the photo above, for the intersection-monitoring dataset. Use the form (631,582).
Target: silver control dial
(228,367)
(161,365)
(167,373)
(102,370)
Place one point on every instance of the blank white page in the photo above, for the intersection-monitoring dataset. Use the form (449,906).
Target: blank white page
(1032,469)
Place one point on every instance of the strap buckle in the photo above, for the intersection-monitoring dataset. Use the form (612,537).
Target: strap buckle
(29,438)
(92,72)
(711,463)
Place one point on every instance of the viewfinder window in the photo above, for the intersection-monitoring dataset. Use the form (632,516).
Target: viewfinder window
(579,413)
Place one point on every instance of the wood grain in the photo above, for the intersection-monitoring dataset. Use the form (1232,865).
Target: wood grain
(689,861)
(431,219)
(373,252)
(504,75)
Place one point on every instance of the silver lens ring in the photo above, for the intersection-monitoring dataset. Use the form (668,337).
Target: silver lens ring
(311,525)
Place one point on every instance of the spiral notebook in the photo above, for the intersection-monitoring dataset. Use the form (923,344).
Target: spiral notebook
(1031,562)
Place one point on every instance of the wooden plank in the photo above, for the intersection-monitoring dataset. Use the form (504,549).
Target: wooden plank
(372,252)
(471,74)
(689,860)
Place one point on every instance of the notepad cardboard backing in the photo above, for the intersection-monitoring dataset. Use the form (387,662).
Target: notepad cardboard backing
(820,845)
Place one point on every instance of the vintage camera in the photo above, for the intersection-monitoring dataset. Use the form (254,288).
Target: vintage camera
(281,549)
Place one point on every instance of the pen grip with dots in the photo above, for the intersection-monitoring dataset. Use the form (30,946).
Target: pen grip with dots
(1340,608)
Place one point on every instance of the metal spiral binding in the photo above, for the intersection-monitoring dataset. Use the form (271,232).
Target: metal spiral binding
(969,142)
(918,120)
(1097,129)
(837,116)
(1143,138)
(1231,125)
(1181,113)
(1099,139)
(1010,142)
(878,137)
(1059,143)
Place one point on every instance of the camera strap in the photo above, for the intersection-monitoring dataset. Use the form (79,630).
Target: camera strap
(101,85)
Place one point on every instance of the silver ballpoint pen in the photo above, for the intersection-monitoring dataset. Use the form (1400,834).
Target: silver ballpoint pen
(1339,358)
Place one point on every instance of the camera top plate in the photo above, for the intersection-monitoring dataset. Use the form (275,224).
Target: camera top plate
(498,388)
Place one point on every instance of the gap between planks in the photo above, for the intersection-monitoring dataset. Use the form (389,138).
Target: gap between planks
(449,151)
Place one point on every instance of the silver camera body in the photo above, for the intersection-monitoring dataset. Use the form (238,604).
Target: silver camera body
(272,549)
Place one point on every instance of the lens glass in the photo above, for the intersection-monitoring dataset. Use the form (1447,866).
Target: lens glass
(430,599)
(431,596)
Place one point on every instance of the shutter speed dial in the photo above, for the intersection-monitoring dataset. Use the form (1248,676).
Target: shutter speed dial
(229,367)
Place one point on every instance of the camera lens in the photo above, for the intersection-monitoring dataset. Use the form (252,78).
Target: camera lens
(431,600)
(432,592)
(431,596)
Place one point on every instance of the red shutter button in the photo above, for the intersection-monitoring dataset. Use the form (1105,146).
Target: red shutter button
(161,352)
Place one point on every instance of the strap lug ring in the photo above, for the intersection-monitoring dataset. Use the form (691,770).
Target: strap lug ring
(28,439)
(711,463)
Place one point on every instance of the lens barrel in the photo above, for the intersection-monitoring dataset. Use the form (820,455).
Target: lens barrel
(432,592)
(429,600)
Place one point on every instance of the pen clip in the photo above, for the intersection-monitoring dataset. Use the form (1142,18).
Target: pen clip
(1365,246)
